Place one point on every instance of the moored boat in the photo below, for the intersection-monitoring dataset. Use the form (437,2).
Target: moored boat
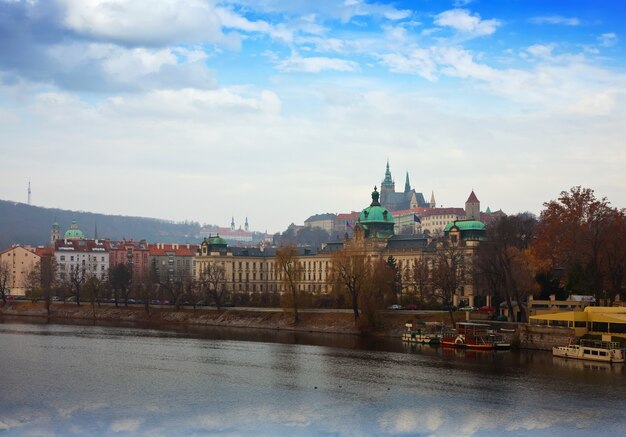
(420,335)
(473,336)
(592,350)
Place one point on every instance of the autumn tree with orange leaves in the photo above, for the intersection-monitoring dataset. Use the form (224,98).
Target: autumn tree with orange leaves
(585,237)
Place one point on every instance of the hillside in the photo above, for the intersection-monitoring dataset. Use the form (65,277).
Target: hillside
(26,224)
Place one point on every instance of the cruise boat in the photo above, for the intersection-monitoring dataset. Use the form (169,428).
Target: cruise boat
(420,335)
(473,336)
(593,350)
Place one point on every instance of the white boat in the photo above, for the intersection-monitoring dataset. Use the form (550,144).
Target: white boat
(593,350)
(420,336)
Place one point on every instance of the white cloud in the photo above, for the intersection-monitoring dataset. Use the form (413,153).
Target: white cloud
(463,21)
(315,64)
(556,19)
(126,425)
(418,61)
(145,22)
(541,50)
(608,39)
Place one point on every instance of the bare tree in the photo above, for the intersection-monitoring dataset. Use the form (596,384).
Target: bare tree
(31,282)
(421,278)
(213,283)
(449,273)
(350,272)
(5,278)
(291,274)
(93,288)
(76,280)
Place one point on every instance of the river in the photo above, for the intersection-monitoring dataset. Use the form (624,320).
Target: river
(105,380)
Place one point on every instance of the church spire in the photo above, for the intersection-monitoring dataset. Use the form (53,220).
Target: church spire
(407,185)
(232,223)
(432,199)
(245,226)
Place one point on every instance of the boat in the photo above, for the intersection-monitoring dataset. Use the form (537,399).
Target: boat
(420,335)
(477,336)
(592,350)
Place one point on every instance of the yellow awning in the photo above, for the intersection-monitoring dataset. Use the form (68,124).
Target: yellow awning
(607,318)
(569,316)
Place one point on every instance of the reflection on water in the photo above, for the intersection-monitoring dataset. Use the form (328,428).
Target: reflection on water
(102,380)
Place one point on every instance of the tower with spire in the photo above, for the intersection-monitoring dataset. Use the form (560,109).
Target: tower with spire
(232,223)
(472,207)
(398,201)
(387,186)
(433,204)
(55,232)
(245,226)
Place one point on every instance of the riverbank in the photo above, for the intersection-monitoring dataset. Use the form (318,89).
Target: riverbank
(332,322)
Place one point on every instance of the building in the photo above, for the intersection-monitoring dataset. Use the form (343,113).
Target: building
(135,254)
(83,257)
(323,221)
(591,320)
(430,221)
(255,270)
(173,261)
(402,200)
(20,261)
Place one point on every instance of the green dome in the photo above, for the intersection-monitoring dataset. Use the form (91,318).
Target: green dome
(376,220)
(466,225)
(216,241)
(73,233)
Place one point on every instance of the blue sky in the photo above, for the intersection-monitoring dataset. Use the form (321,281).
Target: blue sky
(277,110)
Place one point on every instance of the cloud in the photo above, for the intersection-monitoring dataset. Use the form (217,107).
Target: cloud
(463,21)
(608,39)
(420,61)
(315,64)
(126,425)
(409,421)
(144,22)
(556,19)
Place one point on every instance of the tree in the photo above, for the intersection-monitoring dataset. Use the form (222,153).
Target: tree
(120,278)
(48,276)
(5,279)
(291,274)
(449,273)
(32,282)
(504,263)
(93,289)
(350,272)
(76,280)
(421,277)
(573,233)
(395,278)
(213,282)
(615,249)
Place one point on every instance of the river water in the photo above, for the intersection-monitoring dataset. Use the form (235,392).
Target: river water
(102,380)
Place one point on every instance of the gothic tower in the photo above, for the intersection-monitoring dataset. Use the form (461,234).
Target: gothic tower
(472,207)
(433,204)
(407,185)
(245,226)
(387,186)
(232,223)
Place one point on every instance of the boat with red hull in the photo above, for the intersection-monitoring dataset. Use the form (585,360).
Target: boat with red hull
(473,336)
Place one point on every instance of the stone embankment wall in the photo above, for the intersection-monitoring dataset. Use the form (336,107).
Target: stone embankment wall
(389,324)
(544,338)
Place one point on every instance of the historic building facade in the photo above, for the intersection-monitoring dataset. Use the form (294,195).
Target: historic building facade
(20,261)
(255,270)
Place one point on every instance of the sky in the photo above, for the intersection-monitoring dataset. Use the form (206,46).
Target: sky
(276,110)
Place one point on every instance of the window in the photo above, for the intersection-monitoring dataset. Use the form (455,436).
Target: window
(62,257)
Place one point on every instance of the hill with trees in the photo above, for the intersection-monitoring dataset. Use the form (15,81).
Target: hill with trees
(27,224)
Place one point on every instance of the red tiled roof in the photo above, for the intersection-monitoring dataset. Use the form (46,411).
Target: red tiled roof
(348,216)
(472,198)
(178,249)
(45,251)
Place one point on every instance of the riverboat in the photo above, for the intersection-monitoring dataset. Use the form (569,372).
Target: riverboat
(420,335)
(592,350)
(473,336)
